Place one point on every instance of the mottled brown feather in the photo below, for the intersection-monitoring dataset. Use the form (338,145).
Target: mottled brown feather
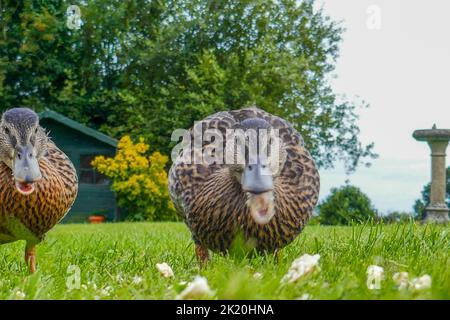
(214,207)
(29,217)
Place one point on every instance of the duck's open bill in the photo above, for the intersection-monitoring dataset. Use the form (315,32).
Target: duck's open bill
(26,169)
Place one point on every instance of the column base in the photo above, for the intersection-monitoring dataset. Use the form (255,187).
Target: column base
(437,213)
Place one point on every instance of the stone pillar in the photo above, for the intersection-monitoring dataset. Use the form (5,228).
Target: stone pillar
(437,211)
(438,139)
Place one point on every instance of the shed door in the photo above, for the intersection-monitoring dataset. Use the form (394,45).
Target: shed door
(94,193)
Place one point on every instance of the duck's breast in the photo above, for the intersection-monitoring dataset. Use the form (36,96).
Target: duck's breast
(29,217)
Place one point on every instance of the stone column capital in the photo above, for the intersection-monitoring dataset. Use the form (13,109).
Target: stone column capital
(438,147)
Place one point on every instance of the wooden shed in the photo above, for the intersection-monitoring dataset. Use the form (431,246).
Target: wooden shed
(82,144)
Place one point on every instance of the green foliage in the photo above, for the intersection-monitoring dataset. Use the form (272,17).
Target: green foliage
(314,221)
(421,204)
(147,67)
(139,180)
(346,205)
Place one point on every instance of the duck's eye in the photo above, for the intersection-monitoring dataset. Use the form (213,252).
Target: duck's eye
(250,168)
(6,130)
(264,166)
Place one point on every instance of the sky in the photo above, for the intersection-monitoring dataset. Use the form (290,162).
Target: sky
(395,55)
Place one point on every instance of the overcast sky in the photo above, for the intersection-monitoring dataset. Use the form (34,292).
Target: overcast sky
(402,70)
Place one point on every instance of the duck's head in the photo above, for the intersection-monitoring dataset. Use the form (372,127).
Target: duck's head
(260,168)
(22,143)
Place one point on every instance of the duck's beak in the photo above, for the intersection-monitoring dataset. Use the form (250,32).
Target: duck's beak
(257,178)
(257,181)
(26,169)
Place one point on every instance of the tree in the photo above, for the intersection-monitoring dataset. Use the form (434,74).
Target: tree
(345,205)
(421,204)
(45,64)
(145,68)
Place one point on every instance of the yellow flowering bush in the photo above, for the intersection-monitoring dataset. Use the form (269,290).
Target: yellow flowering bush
(139,180)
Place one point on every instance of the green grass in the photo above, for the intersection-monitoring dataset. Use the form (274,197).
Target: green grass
(110,256)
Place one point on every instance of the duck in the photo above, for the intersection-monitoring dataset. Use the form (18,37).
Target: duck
(267,197)
(38,182)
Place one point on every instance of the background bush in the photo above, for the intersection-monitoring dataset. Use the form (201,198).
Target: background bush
(139,181)
(397,217)
(345,205)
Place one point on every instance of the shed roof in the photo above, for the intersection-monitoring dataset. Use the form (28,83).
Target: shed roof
(50,114)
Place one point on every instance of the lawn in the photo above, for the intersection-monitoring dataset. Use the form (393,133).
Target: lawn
(117,261)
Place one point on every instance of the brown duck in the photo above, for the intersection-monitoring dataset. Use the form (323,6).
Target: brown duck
(267,201)
(38,182)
